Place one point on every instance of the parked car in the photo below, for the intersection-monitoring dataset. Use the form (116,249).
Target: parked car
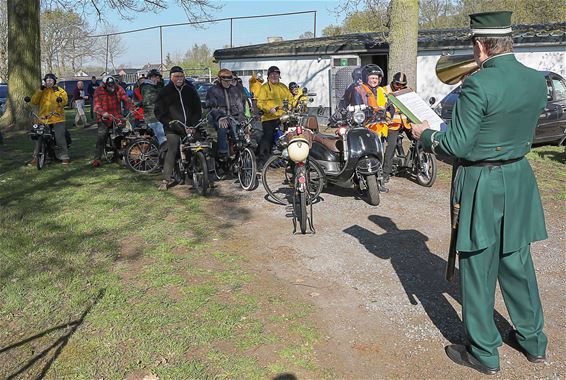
(551,126)
(3,97)
(202,89)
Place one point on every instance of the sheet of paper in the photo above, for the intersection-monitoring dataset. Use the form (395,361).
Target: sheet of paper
(416,109)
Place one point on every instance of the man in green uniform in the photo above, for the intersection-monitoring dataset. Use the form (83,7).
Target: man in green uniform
(501,213)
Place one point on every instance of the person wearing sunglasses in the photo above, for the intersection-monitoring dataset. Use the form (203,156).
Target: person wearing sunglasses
(225,101)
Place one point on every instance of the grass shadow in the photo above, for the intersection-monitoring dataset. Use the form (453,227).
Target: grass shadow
(56,347)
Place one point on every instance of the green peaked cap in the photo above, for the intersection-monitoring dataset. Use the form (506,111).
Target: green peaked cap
(491,24)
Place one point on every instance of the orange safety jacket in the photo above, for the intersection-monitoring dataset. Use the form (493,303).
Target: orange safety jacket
(398,120)
(370,99)
(376,102)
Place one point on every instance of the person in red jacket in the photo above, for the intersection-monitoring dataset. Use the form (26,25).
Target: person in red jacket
(107,103)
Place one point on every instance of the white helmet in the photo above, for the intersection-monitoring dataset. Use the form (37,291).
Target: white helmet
(298,149)
(259,75)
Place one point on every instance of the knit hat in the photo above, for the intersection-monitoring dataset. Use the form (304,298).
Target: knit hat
(176,69)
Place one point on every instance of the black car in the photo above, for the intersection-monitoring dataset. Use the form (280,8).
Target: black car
(551,127)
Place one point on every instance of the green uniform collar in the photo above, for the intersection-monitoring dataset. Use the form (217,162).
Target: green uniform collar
(500,58)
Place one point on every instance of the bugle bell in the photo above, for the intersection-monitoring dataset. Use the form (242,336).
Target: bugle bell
(451,69)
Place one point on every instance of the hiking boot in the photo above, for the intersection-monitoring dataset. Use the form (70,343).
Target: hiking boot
(96,163)
(65,161)
(33,161)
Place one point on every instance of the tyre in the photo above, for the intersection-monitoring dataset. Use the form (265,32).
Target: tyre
(316,180)
(276,179)
(142,156)
(200,173)
(372,191)
(247,170)
(426,169)
(42,153)
(301,212)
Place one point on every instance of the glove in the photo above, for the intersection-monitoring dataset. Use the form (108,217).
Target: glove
(223,122)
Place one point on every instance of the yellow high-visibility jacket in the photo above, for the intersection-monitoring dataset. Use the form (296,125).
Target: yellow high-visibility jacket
(255,86)
(271,96)
(46,99)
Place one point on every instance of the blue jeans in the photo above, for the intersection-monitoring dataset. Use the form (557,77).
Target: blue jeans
(159,132)
(222,136)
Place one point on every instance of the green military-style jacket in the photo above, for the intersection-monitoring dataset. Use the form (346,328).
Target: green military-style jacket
(495,119)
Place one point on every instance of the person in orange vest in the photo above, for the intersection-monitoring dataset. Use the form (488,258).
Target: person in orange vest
(397,124)
(369,92)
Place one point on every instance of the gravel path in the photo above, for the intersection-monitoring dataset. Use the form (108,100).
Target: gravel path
(375,275)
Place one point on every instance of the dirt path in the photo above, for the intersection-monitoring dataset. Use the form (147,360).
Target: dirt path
(375,276)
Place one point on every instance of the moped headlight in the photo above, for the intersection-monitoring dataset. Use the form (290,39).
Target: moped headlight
(359,117)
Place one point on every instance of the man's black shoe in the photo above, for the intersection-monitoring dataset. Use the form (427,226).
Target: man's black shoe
(515,344)
(386,178)
(460,355)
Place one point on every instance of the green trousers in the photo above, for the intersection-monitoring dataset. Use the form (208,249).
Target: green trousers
(479,272)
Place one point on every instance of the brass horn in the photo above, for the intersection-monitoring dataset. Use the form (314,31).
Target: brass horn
(451,69)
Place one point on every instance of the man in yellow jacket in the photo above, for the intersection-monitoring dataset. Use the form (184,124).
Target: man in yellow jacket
(270,102)
(51,112)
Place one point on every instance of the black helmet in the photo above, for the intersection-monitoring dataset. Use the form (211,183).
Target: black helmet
(357,74)
(273,69)
(293,86)
(400,79)
(50,75)
(372,69)
(153,73)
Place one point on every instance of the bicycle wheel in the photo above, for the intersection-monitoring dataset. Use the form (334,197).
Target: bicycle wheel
(316,179)
(142,156)
(426,169)
(200,173)
(276,179)
(247,170)
(42,153)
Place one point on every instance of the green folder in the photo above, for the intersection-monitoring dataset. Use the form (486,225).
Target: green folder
(404,110)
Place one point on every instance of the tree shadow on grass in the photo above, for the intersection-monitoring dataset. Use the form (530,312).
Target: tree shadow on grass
(45,359)
(420,273)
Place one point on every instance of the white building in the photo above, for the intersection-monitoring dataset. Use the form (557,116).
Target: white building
(313,63)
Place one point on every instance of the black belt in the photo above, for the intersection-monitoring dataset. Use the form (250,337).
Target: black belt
(489,163)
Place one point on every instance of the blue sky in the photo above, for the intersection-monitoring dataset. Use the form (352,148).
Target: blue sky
(143,47)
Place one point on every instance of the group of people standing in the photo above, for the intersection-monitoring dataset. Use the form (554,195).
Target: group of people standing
(494,187)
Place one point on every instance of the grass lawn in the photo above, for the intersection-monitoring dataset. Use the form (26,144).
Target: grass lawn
(102,276)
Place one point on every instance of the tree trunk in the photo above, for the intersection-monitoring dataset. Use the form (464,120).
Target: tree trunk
(403,36)
(24,60)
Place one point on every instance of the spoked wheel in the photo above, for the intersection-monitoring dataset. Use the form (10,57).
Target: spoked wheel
(276,179)
(142,156)
(247,170)
(200,174)
(426,170)
(316,180)
(300,200)
(41,154)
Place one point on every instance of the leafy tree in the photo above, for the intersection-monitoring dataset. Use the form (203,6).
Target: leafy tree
(198,57)
(24,63)
(306,35)
(62,40)
(332,30)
